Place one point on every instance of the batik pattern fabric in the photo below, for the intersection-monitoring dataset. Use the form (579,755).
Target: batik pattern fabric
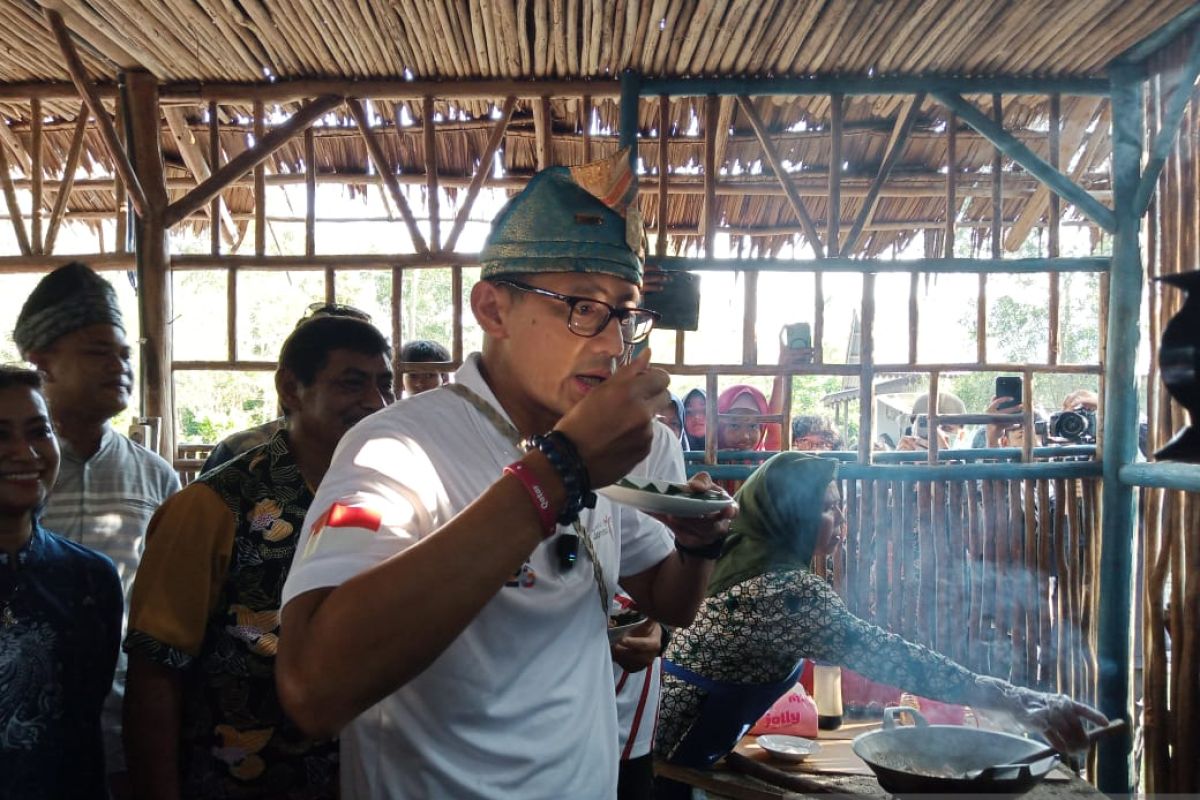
(60,629)
(207,602)
(756,631)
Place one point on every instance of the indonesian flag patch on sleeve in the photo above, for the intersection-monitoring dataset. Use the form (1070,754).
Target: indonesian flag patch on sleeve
(347,519)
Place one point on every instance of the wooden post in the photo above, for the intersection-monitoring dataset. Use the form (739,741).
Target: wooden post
(154,277)
(310,193)
(711,114)
(214,163)
(260,186)
(68,179)
(14,208)
(36,151)
(866,389)
(585,110)
(544,132)
(482,171)
(1120,431)
(429,139)
(951,182)
(1054,214)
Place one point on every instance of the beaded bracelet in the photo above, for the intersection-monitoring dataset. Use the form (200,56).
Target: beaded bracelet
(562,455)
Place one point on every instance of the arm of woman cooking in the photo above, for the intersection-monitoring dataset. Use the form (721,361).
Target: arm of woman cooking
(823,628)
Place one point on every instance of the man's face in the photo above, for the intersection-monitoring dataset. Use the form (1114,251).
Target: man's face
(28,450)
(88,372)
(553,368)
(417,382)
(813,441)
(347,389)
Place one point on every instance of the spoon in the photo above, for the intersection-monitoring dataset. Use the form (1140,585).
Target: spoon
(1039,754)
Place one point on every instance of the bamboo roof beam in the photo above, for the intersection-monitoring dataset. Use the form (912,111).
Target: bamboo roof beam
(543,126)
(193,158)
(245,161)
(14,208)
(1018,152)
(895,146)
(482,171)
(108,133)
(1079,117)
(760,130)
(10,138)
(103,41)
(64,188)
(381,166)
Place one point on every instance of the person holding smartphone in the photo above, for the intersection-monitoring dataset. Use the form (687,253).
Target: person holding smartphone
(950,437)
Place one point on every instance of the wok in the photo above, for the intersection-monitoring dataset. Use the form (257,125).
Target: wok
(928,759)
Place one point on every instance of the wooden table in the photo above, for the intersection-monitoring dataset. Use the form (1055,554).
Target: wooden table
(836,770)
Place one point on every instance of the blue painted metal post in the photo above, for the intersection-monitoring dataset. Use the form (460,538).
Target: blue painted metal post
(631,87)
(1120,431)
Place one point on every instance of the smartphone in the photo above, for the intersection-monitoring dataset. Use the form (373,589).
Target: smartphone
(677,302)
(1009,386)
(797,336)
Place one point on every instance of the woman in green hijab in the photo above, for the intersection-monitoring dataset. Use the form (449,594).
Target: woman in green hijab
(766,611)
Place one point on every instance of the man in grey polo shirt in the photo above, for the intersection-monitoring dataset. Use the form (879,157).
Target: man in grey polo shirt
(108,487)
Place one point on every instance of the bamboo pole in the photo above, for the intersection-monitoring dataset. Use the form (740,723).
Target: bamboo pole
(927,612)
(87,91)
(37,175)
(544,133)
(586,110)
(894,529)
(193,158)
(711,114)
(260,186)
(951,181)
(482,171)
(975,567)
(14,208)
(64,189)
(384,169)
(310,193)
(776,163)
(214,159)
(895,148)
(431,173)
(1054,221)
(1030,586)
(1047,662)
(854,574)
(247,160)
(882,538)
(710,417)
(943,598)
(866,550)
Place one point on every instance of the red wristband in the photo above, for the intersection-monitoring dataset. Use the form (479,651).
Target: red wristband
(541,500)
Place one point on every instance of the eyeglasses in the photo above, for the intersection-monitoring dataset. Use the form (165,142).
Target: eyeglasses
(317,310)
(588,316)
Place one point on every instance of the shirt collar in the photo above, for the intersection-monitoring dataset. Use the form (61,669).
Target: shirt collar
(32,550)
(470,376)
(106,439)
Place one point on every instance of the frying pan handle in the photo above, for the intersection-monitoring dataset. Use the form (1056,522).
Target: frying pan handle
(891,717)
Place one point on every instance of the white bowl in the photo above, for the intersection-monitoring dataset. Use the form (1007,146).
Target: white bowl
(788,748)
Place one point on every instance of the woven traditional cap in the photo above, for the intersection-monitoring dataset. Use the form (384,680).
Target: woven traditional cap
(70,298)
(579,219)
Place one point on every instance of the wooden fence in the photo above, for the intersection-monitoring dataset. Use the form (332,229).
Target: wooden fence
(997,574)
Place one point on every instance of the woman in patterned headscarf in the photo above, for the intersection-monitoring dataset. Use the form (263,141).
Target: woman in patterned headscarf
(766,611)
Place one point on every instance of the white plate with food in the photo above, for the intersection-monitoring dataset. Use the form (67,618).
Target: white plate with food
(788,748)
(664,497)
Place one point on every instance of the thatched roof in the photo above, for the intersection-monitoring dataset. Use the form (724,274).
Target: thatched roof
(276,41)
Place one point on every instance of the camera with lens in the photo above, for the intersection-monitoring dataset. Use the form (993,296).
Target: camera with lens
(1078,426)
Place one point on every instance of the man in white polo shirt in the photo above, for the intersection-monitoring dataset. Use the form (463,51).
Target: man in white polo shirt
(446,611)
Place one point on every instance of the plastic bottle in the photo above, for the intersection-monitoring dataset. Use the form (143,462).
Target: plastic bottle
(827,691)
